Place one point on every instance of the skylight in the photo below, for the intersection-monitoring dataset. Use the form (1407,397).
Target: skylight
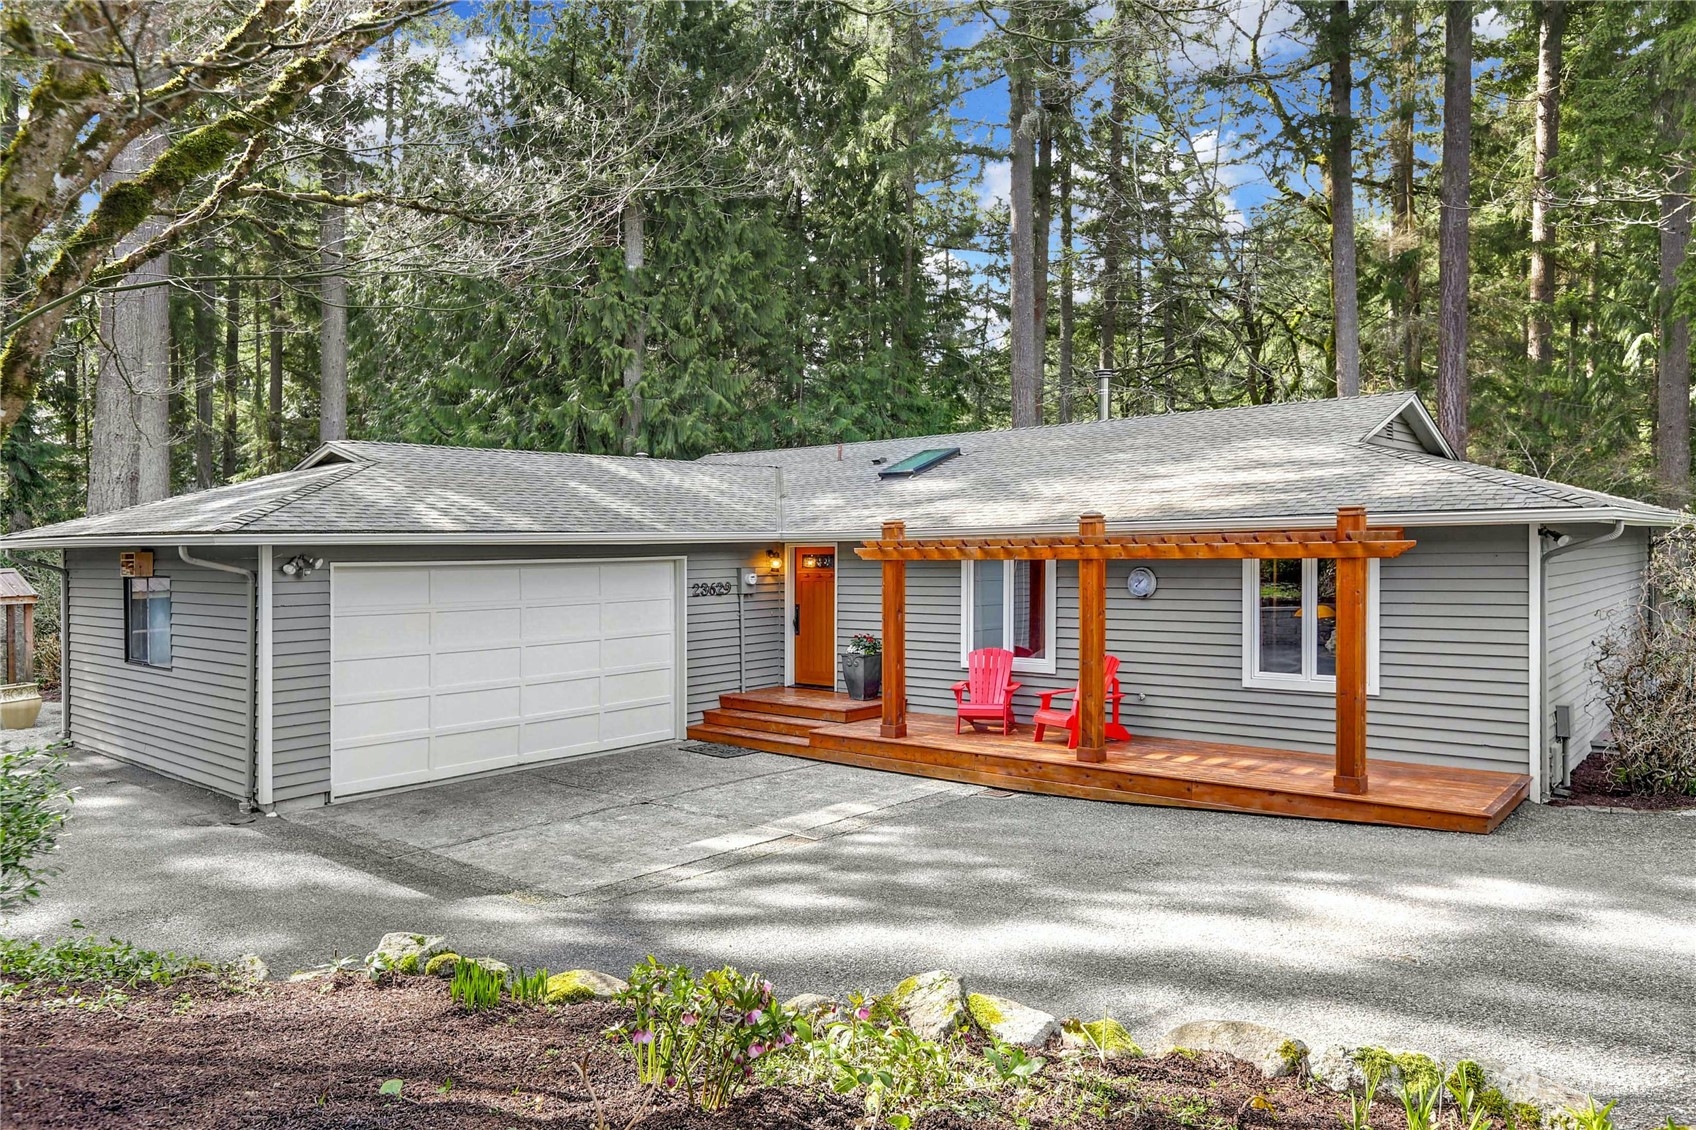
(918,464)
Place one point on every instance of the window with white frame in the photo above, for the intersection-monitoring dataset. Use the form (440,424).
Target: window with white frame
(1290,625)
(1009,604)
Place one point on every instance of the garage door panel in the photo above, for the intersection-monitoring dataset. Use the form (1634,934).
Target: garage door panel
(465,708)
(473,751)
(557,737)
(643,579)
(362,721)
(541,662)
(636,686)
(355,677)
(488,665)
(638,651)
(637,723)
(474,584)
(551,623)
(476,627)
(633,617)
(561,696)
(384,765)
(439,671)
(566,584)
(375,589)
(389,633)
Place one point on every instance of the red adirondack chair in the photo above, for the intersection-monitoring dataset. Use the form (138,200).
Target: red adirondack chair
(1047,714)
(986,693)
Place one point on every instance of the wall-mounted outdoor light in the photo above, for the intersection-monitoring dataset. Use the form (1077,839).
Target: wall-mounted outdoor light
(301,565)
(774,560)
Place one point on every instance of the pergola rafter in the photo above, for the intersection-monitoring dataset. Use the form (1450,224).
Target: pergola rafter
(1351,543)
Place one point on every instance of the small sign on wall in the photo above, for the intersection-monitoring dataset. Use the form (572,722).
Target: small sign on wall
(135,563)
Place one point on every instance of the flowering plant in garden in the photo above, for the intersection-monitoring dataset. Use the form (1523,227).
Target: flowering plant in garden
(864,643)
(702,1035)
(863,1048)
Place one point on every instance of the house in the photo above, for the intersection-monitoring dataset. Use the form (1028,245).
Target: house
(391,615)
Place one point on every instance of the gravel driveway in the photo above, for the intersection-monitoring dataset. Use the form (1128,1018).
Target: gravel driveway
(1566,940)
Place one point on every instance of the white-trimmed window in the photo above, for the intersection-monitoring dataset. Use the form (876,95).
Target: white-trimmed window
(1290,625)
(1009,604)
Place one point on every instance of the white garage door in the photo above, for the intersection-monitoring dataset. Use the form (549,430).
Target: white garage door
(442,670)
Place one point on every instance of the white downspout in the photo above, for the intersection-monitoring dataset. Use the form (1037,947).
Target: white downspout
(1563,546)
(253,730)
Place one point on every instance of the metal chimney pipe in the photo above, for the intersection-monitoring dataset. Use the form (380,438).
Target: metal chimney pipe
(1104,393)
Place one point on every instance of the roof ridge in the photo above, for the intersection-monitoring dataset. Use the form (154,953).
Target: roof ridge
(646,460)
(1547,488)
(248,517)
(1033,429)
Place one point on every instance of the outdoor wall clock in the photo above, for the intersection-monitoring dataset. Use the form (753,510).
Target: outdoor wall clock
(1141,582)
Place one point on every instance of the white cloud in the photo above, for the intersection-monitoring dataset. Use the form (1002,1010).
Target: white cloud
(996,185)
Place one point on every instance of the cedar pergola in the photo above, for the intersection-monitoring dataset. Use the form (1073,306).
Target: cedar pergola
(1351,543)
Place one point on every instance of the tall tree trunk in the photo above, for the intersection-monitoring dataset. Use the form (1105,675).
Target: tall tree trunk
(1672,377)
(1112,221)
(129,444)
(1551,27)
(274,401)
(332,285)
(1339,167)
(232,376)
(1404,222)
(205,354)
(636,333)
(1454,391)
(1066,314)
(1023,332)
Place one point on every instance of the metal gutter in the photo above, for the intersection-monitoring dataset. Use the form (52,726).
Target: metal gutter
(1426,518)
(252,664)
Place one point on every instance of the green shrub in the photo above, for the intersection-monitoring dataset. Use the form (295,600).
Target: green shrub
(701,1035)
(474,987)
(33,807)
(87,960)
(863,1051)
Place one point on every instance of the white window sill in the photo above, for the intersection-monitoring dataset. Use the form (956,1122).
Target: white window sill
(1299,685)
(1025,666)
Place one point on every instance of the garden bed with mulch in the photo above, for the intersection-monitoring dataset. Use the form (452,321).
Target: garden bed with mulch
(316,1054)
(1592,787)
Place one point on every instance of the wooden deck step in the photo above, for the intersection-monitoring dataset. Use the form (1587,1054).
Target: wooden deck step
(800,702)
(747,739)
(762,722)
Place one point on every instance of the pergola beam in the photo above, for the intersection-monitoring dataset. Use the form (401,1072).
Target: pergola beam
(1262,545)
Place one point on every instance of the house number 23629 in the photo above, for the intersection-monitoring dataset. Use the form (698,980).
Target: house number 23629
(711,588)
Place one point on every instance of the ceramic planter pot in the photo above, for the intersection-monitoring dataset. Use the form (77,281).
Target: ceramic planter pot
(20,705)
(863,674)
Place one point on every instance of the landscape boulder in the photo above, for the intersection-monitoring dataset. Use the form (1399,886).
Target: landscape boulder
(813,1004)
(1520,1085)
(576,985)
(1274,1053)
(491,965)
(442,965)
(1340,1067)
(1011,1022)
(933,1004)
(402,952)
(1104,1037)
(250,967)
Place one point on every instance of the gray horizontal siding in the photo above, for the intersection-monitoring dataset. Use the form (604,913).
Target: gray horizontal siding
(1588,591)
(301,639)
(1399,435)
(1453,651)
(188,721)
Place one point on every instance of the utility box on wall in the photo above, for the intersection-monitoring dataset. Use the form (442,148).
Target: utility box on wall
(750,581)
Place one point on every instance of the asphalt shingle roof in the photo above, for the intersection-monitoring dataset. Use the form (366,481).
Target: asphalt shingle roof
(1277,464)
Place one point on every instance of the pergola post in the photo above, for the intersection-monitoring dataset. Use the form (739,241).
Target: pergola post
(1092,642)
(894,639)
(1352,580)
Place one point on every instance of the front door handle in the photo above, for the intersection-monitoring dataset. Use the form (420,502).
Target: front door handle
(797,618)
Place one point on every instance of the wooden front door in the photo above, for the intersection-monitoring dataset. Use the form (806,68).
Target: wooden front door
(813,619)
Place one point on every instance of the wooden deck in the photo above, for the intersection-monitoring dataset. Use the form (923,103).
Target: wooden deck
(1145,770)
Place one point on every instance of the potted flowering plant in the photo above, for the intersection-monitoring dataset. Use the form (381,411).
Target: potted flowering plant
(862,667)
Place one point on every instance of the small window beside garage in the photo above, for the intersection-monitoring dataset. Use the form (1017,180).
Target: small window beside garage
(147,620)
